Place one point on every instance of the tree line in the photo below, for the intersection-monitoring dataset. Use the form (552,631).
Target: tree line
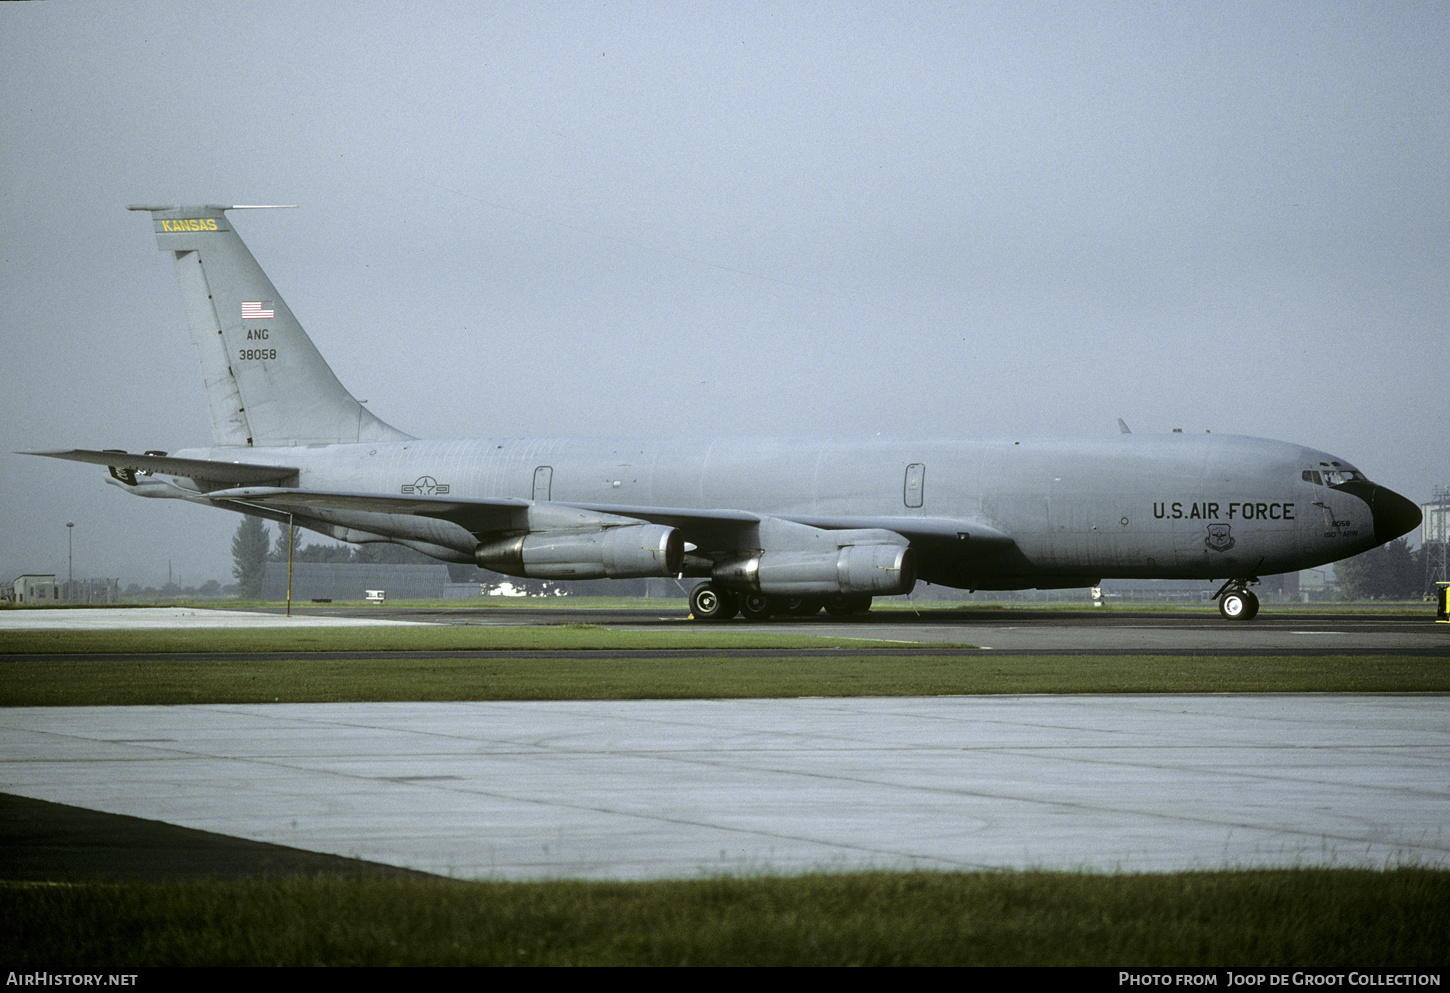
(253,548)
(1390,572)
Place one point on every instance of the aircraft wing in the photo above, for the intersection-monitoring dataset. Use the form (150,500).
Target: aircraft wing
(934,530)
(504,514)
(483,516)
(265,486)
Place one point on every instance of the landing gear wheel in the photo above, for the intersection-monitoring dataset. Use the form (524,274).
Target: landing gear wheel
(1238,605)
(840,605)
(802,606)
(756,606)
(707,603)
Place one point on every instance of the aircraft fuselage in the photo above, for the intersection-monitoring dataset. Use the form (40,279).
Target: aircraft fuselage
(1076,510)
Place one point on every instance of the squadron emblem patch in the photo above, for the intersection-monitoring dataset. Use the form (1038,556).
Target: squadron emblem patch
(1219,539)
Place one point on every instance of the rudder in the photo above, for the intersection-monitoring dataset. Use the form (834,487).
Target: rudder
(266,383)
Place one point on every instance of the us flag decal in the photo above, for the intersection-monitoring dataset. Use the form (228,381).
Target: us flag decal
(253,310)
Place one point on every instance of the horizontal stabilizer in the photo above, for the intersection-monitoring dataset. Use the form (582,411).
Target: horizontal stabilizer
(220,473)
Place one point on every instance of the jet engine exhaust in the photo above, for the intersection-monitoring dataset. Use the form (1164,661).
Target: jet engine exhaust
(870,570)
(628,552)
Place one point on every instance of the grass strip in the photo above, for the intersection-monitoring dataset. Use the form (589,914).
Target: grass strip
(419,638)
(159,680)
(680,605)
(1296,917)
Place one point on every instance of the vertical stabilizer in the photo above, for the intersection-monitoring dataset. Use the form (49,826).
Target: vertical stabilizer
(266,383)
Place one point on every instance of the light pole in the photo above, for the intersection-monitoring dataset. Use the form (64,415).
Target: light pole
(70,560)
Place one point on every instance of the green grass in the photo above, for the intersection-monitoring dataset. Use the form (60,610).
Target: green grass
(680,605)
(1302,918)
(414,638)
(159,680)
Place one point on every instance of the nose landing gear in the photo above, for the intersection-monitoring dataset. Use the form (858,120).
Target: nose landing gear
(1236,602)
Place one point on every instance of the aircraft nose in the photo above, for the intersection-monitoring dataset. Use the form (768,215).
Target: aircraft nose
(1393,514)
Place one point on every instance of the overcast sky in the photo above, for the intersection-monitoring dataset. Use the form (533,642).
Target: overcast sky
(530,218)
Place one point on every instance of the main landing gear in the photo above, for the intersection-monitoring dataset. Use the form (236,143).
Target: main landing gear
(709,602)
(1235,602)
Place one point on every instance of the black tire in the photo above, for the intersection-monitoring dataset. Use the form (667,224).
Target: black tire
(756,606)
(1238,605)
(709,603)
(840,605)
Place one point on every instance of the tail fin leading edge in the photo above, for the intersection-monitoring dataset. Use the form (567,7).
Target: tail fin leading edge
(266,383)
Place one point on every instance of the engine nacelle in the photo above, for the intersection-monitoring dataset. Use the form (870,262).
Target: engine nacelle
(625,552)
(874,570)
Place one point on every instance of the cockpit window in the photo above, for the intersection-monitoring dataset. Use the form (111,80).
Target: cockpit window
(1333,474)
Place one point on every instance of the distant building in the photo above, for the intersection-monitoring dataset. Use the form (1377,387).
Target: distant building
(91,591)
(36,588)
(1316,584)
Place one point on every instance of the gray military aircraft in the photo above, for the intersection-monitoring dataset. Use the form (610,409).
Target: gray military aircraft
(772,525)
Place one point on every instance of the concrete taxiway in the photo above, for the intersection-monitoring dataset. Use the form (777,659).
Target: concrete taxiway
(163,618)
(680,789)
(652,789)
(1278,628)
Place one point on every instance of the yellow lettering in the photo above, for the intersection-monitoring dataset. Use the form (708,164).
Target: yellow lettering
(191,224)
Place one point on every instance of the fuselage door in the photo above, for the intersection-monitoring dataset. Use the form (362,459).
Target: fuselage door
(543,483)
(914,489)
